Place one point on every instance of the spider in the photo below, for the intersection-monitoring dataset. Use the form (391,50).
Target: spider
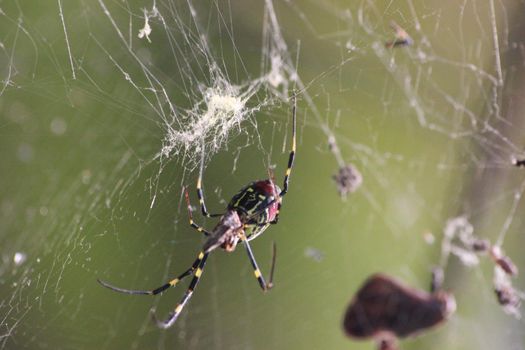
(248,214)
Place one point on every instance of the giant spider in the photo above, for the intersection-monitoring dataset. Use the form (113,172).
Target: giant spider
(247,215)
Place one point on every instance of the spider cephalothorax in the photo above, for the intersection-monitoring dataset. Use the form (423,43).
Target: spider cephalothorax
(226,234)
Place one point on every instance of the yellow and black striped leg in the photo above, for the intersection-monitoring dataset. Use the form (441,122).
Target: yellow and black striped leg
(292,152)
(200,194)
(189,292)
(190,215)
(291,159)
(257,272)
(162,288)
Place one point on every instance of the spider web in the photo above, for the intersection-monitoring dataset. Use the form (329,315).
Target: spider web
(108,108)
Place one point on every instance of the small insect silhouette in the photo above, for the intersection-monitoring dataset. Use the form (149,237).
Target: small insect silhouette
(518,162)
(401,37)
(503,261)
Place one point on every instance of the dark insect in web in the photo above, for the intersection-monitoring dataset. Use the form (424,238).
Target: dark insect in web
(520,163)
(248,214)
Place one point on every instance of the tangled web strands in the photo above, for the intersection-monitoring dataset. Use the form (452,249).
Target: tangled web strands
(412,111)
(223,108)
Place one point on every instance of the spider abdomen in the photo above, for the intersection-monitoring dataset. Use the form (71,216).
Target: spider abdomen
(257,205)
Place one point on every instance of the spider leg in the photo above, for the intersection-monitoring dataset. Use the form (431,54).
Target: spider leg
(162,288)
(200,194)
(256,271)
(292,152)
(288,169)
(189,292)
(190,215)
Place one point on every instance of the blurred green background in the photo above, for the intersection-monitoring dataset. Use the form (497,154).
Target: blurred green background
(83,196)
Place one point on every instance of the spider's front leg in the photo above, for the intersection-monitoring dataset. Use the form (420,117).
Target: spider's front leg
(291,157)
(200,195)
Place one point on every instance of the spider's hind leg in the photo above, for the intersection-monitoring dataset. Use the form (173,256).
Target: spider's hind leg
(189,292)
(162,288)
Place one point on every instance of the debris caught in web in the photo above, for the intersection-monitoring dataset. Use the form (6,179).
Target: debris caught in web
(145,31)
(385,309)
(348,180)
(460,241)
(507,296)
(503,261)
